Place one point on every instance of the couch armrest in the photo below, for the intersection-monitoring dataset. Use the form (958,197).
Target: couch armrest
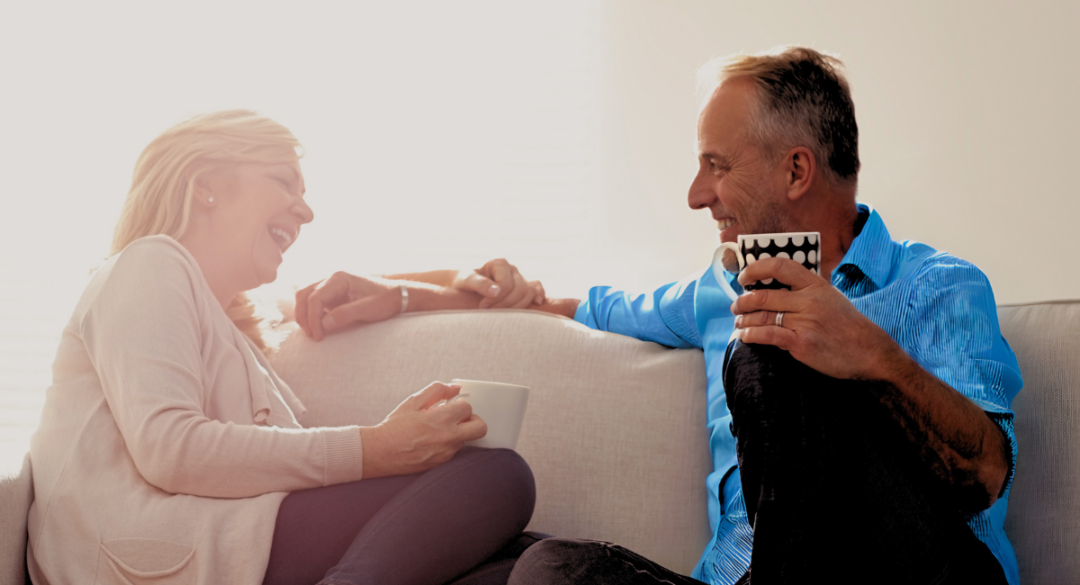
(614,431)
(16,494)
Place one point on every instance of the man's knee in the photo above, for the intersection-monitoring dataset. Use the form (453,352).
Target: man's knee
(557,561)
(751,370)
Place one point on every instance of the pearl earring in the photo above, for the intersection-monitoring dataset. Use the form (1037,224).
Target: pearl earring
(210,199)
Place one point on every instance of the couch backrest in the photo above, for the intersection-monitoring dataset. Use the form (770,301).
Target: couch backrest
(1043,522)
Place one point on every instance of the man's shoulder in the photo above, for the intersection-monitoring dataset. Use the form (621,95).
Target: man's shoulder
(924,264)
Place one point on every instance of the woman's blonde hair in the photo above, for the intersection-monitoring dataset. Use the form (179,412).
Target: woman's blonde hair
(163,184)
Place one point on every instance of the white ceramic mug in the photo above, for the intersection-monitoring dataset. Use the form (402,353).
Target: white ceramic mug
(501,406)
(803,247)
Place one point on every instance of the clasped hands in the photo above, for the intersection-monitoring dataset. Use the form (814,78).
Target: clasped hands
(426,429)
(820,326)
(344,299)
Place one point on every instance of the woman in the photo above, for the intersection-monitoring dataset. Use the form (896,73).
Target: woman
(169,450)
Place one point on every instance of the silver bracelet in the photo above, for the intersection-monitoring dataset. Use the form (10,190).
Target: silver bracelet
(404,298)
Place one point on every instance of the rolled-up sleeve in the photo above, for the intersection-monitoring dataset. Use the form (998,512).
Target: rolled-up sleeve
(664,316)
(959,341)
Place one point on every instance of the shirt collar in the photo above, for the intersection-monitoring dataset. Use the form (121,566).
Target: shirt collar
(871,251)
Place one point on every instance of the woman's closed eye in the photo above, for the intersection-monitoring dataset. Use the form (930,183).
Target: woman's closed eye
(284,183)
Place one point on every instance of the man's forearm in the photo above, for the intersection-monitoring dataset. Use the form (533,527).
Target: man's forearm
(957,439)
(565,307)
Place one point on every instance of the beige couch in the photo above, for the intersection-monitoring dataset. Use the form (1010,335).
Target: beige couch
(615,430)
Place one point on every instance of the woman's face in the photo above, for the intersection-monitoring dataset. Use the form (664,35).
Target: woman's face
(260,208)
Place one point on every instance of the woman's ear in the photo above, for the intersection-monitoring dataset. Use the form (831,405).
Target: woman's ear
(207,187)
(800,171)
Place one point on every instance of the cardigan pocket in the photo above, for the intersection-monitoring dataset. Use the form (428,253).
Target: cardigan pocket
(145,561)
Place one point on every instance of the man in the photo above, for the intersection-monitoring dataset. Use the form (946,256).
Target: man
(860,422)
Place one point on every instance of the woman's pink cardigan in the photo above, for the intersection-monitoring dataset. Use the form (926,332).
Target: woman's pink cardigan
(166,443)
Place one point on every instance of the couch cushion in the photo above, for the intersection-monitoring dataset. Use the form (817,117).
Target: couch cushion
(614,430)
(1043,522)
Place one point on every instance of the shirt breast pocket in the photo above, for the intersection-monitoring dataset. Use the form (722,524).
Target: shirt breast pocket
(145,561)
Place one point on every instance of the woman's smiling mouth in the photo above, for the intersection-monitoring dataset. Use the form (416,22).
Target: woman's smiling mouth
(281,237)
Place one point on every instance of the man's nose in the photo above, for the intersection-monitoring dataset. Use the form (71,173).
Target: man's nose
(700,195)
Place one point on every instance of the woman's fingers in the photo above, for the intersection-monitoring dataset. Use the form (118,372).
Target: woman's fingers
(432,394)
(312,301)
(366,310)
(300,309)
(342,299)
(472,429)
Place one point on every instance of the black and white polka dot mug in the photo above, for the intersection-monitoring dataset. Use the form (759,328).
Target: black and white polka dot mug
(802,247)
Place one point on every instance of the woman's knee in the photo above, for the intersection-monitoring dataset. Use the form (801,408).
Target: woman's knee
(513,473)
(499,475)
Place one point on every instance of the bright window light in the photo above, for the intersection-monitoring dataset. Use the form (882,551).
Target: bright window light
(437,134)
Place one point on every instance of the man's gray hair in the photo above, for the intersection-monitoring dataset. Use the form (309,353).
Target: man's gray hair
(803,100)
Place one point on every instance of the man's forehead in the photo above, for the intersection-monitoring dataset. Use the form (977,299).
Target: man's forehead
(725,114)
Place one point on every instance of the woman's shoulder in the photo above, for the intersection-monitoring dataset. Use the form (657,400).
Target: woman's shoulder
(151,260)
(149,270)
(155,249)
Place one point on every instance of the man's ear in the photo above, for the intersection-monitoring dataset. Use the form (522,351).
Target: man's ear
(800,172)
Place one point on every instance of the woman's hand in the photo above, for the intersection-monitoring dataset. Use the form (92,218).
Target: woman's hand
(501,285)
(422,432)
(343,299)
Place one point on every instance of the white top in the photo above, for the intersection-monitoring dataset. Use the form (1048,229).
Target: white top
(167,442)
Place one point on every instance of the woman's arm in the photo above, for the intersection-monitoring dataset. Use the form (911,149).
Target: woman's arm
(345,299)
(499,283)
(148,335)
(443,278)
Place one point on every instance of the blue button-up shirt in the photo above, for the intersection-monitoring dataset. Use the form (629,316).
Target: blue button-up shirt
(939,308)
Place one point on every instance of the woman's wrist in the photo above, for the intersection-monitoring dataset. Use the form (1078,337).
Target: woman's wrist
(428,297)
(373,443)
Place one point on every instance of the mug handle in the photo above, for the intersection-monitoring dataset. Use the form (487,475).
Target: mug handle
(718,255)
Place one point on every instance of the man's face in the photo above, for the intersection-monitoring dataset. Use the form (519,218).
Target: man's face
(744,195)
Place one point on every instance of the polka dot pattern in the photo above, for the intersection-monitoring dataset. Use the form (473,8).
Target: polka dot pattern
(802,248)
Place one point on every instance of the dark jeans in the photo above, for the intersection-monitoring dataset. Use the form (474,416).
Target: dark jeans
(833,488)
(462,519)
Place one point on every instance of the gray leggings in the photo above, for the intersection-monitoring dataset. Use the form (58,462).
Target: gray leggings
(461,520)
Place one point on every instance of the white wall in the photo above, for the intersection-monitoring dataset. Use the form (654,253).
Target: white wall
(970,130)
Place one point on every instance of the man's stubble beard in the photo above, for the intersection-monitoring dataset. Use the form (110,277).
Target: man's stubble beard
(768,216)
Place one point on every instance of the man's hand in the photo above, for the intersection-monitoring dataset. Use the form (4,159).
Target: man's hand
(821,328)
(342,299)
(501,285)
(422,432)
